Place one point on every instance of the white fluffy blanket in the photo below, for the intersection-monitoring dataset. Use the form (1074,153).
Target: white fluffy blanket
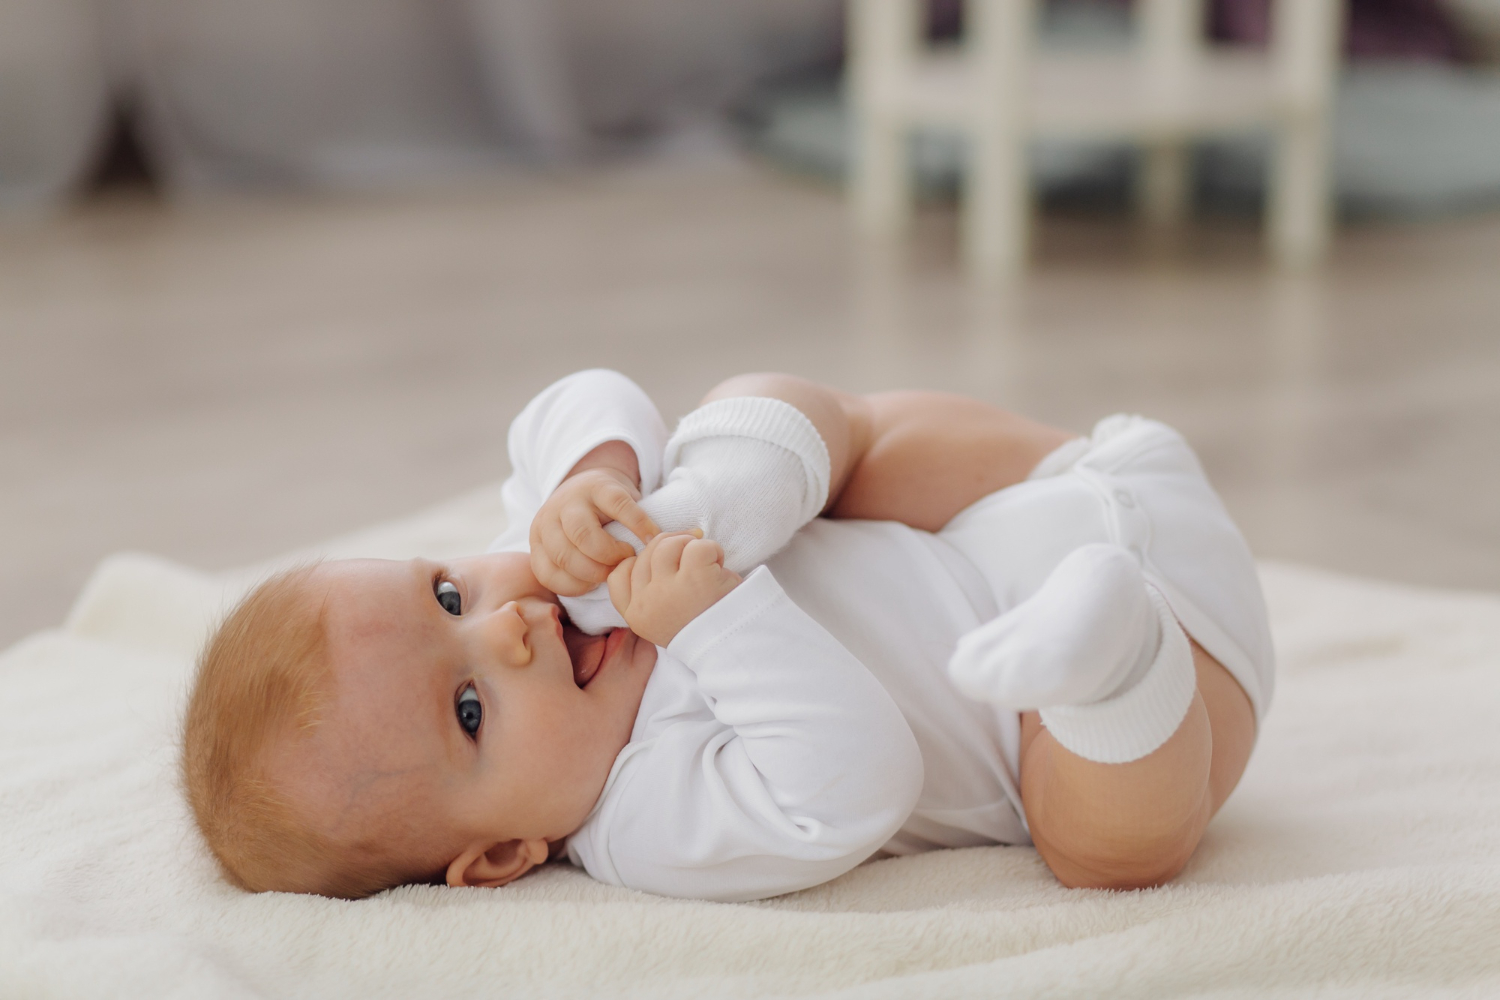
(1360,856)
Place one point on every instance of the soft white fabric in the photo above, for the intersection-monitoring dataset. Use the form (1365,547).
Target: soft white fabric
(1357,858)
(746,471)
(563,423)
(1089,632)
(749,471)
(1134,483)
(594,612)
(898,600)
(1096,649)
(765,758)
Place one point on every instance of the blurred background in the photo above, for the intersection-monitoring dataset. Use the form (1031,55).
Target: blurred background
(272,271)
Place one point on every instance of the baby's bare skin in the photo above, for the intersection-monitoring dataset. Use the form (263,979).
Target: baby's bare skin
(571,551)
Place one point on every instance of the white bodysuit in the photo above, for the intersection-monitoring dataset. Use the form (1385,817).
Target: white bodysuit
(806,721)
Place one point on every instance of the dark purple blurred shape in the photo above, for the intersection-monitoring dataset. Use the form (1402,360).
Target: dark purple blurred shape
(1398,28)
(1409,28)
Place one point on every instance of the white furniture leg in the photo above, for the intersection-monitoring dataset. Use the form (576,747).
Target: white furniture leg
(997,185)
(1164,188)
(1306,39)
(998,95)
(1300,213)
(1170,34)
(882,39)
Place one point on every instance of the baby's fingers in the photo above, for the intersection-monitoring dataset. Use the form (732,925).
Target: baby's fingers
(555,580)
(621,584)
(702,553)
(666,553)
(560,551)
(615,502)
(580,525)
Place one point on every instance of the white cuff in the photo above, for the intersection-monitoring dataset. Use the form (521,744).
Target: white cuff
(764,419)
(729,614)
(1130,725)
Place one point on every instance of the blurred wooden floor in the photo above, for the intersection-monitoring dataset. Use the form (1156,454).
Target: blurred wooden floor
(218,383)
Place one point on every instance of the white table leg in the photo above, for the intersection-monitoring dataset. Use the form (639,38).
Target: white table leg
(997,184)
(1165,185)
(882,176)
(1306,44)
(1300,211)
(1170,41)
(883,35)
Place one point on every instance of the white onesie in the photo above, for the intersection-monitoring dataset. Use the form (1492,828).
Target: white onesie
(806,721)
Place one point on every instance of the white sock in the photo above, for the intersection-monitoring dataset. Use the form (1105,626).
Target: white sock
(749,471)
(1097,649)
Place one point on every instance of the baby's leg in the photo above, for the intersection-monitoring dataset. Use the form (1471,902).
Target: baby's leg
(1141,734)
(914,457)
(844,421)
(1124,826)
(928,455)
(1099,824)
(1096,569)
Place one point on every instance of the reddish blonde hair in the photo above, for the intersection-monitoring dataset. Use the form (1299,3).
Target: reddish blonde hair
(262,679)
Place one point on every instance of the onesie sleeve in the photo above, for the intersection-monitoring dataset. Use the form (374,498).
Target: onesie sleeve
(566,421)
(805,768)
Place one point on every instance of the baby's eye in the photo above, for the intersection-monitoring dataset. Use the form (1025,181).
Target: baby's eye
(447,596)
(470,711)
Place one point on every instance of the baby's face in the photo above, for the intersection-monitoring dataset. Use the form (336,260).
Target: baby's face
(462,712)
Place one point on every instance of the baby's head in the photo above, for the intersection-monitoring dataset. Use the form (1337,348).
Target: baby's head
(361,724)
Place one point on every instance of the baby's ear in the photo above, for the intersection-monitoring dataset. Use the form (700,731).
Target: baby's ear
(492,864)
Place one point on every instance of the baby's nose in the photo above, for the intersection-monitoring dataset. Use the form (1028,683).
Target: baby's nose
(506,631)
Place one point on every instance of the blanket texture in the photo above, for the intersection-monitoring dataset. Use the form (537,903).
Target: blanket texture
(1358,857)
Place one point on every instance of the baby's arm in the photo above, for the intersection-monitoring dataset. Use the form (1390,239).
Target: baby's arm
(794,767)
(592,424)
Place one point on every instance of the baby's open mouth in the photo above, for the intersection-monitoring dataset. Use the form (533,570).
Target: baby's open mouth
(589,652)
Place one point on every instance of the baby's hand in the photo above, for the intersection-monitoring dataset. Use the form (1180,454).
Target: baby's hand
(570,551)
(674,580)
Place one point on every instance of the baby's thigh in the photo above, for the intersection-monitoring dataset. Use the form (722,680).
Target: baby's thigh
(1231,720)
(931,454)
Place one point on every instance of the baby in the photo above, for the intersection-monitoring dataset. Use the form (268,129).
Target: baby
(1001,634)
